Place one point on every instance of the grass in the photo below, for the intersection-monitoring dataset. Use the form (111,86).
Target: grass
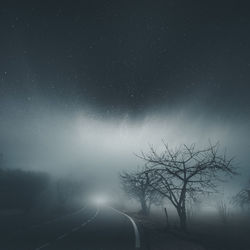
(204,233)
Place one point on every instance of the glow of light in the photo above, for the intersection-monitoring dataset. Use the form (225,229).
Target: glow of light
(99,200)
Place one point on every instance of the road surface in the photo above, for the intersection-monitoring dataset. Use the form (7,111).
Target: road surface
(86,229)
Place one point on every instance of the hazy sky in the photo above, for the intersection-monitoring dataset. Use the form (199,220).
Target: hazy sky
(95,81)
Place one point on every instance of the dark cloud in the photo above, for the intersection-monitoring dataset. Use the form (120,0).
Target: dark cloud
(127,56)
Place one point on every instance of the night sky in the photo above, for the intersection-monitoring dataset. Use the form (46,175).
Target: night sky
(126,56)
(87,84)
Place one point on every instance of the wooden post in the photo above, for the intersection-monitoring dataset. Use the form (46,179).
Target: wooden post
(166,214)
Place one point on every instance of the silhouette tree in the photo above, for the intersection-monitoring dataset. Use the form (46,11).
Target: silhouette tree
(184,173)
(242,198)
(223,211)
(137,185)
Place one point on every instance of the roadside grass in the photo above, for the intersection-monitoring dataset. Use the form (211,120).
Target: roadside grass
(204,233)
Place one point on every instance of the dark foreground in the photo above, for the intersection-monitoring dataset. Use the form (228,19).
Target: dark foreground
(204,233)
(88,228)
(104,228)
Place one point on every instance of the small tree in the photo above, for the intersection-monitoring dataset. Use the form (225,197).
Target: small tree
(242,198)
(137,186)
(223,211)
(185,172)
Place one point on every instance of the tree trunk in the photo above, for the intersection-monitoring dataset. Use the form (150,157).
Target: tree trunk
(182,210)
(149,207)
(144,208)
(183,222)
(183,219)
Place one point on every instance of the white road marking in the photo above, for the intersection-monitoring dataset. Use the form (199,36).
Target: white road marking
(91,219)
(58,218)
(136,231)
(43,246)
(75,229)
(72,230)
(61,236)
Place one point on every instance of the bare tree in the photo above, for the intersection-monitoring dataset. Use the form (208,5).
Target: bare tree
(223,211)
(185,172)
(137,185)
(242,198)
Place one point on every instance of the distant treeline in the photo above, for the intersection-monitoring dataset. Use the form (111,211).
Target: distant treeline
(25,190)
(19,189)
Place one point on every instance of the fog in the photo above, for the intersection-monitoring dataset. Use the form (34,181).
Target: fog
(82,141)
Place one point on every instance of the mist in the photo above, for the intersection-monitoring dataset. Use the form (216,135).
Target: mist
(83,141)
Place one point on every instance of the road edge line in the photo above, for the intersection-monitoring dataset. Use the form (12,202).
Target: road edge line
(136,231)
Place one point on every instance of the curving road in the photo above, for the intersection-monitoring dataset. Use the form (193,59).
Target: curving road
(88,228)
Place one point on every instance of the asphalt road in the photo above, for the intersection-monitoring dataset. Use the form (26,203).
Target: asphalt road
(86,229)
